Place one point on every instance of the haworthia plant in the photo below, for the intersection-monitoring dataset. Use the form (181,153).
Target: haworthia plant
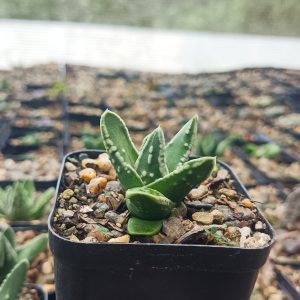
(10,254)
(14,281)
(19,202)
(156,178)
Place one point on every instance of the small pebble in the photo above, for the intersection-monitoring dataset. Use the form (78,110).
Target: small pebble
(227,212)
(99,235)
(114,217)
(197,204)
(248,203)
(84,209)
(87,174)
(103,162)
(198,193)
(96,185)
(204,218)
(73,200)
(258,240)
(218,216)
(173,228)
(228,192)
(46,268)
(121,239)
(67,213)
(113,186)
(259,225)
(209,200)
(70,167)
(67,194)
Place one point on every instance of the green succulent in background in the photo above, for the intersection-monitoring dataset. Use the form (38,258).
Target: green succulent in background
(92,140)
(57,89)
(19,202)
(4,85)
(32,139)
(269,150)
(14,281)
(213,145)
(158,176)
(14,261)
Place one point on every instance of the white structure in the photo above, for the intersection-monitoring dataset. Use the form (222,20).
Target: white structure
(24,43)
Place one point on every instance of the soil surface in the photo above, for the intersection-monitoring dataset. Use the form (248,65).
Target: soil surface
(91,208)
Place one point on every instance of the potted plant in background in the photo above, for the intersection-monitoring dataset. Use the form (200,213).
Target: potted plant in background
(22,206)
(152,223)
(14,264)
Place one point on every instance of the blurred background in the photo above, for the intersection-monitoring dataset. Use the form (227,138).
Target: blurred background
(235,63)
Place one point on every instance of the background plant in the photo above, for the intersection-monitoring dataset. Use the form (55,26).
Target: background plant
(157,177)
(14,261)
(268,150)
(213,144)
(19,202)
(92,140)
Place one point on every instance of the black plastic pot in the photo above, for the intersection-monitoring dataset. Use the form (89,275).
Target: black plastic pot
(153,271)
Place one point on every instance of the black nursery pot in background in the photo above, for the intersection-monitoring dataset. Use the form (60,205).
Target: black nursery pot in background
(154,271)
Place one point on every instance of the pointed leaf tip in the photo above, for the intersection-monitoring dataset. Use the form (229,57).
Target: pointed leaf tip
(176,185)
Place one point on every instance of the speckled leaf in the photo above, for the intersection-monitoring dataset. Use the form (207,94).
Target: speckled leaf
(14,281)
(176,185)
(116,138)
(148,204)
(141,227)
(179,148)
(120,149)
(151,164)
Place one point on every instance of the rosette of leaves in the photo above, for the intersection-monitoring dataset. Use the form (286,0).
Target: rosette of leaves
(156,177)
(14,261)
(19,202)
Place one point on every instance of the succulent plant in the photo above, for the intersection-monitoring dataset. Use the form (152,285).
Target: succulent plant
(268,150)
(11,254)
(18,202)
(157,177)
(91,140)
(14,281)
(212,144)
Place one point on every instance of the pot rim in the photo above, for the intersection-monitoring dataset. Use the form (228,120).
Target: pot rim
(238,181)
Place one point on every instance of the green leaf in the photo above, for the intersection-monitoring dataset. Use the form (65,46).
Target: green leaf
(116,138)
(41,203)
(120,149)
(176,185)
(144,141)
(33,248)
(14,281)
(141,227)
(8,256)
(179,148)
(148,204)
(151,163)
(9,233)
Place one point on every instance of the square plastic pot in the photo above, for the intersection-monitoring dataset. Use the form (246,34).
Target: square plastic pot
(153,271)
